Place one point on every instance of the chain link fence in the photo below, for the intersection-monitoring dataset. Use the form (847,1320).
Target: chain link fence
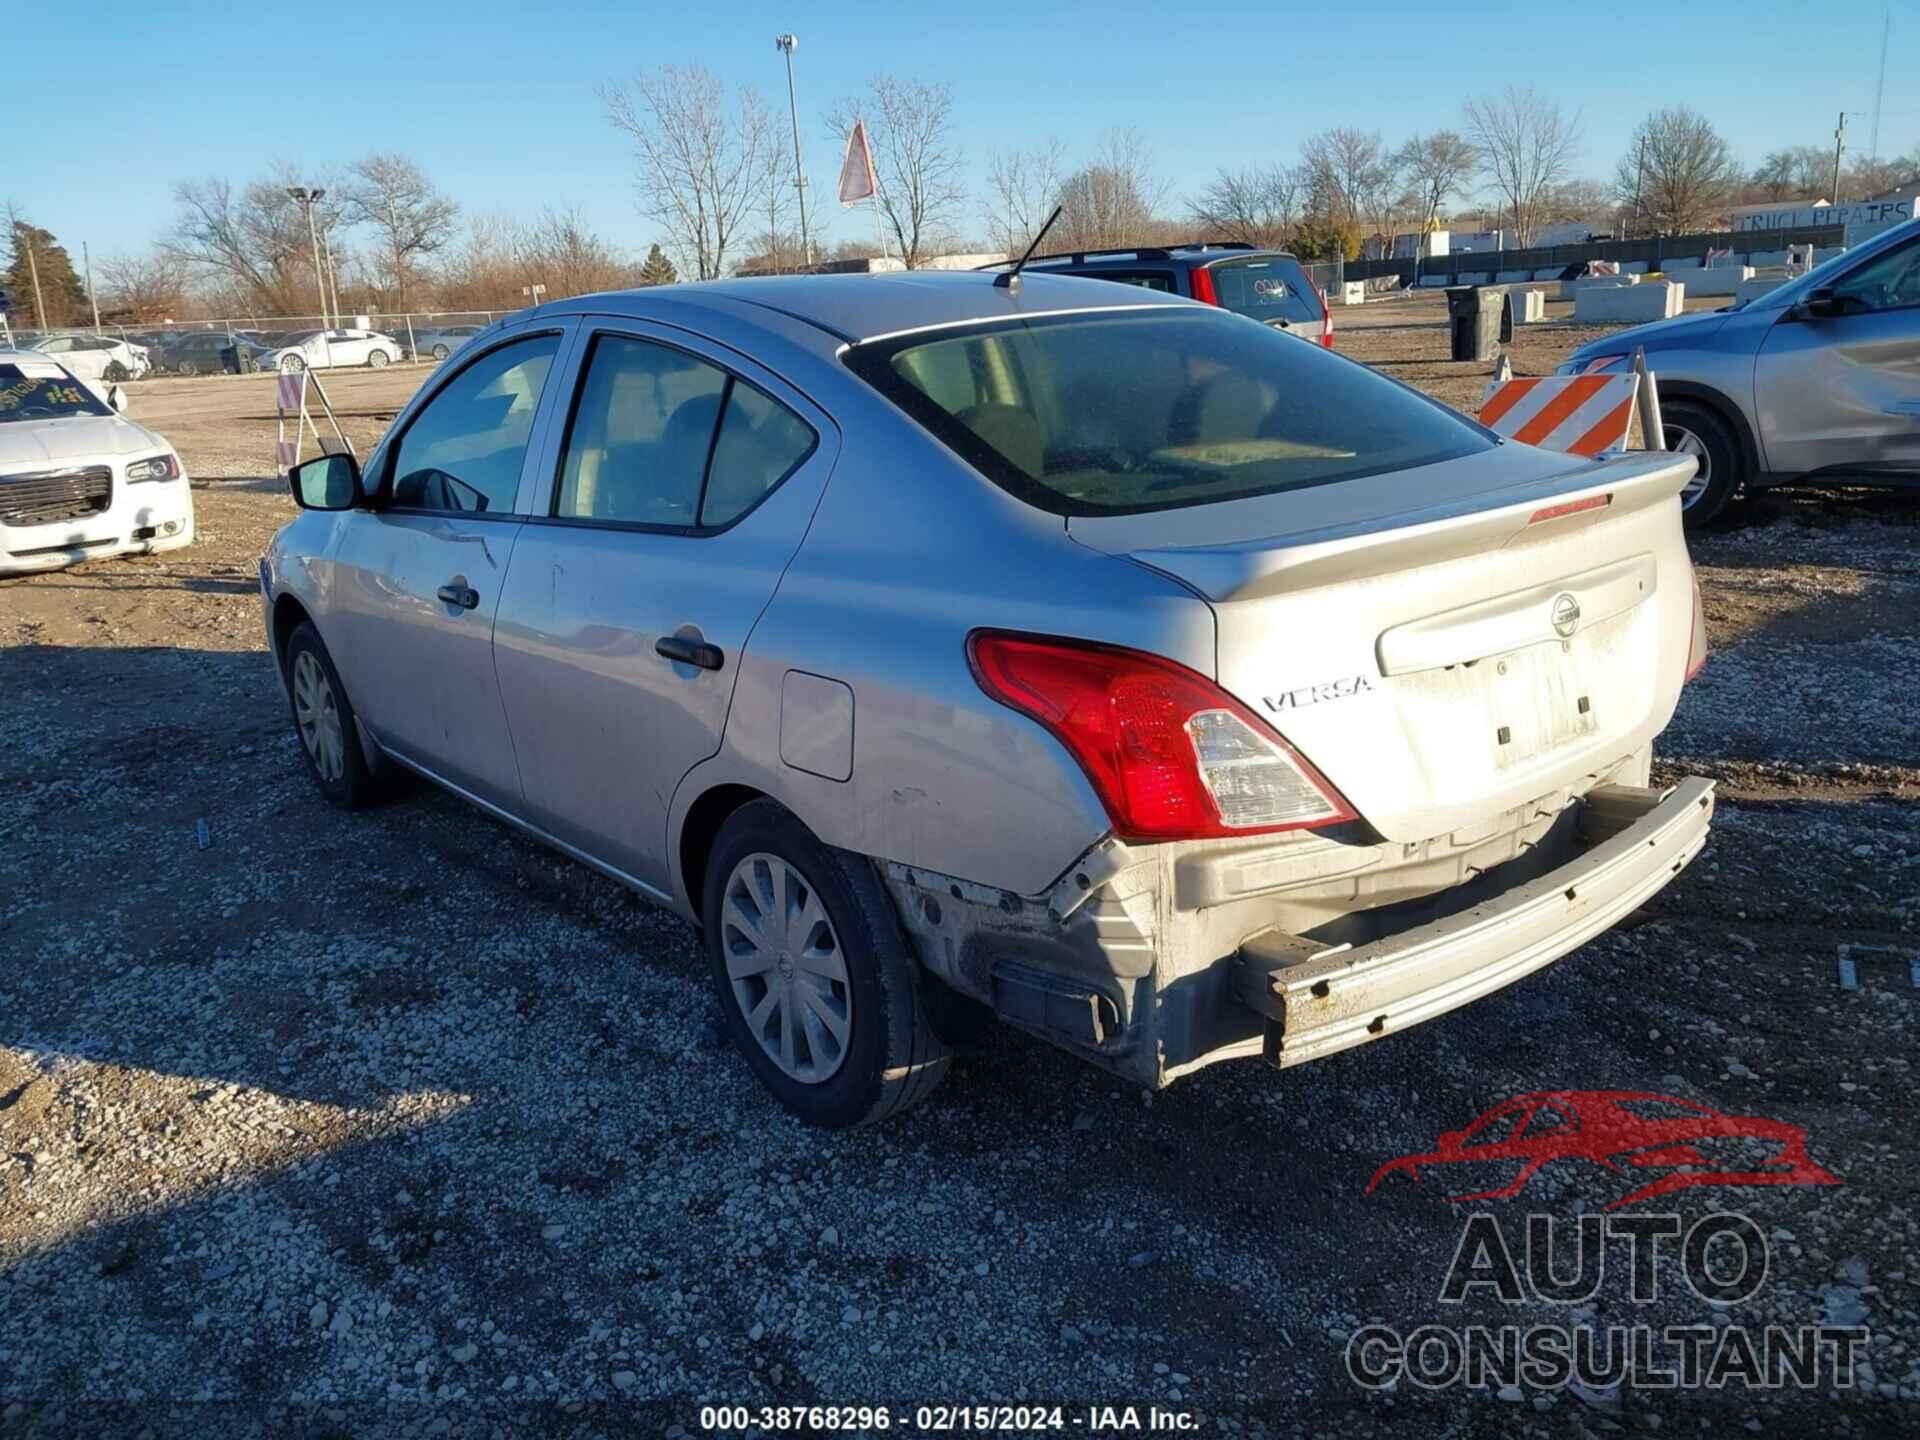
(247,344)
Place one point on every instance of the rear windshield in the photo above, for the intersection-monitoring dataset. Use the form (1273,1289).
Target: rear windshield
(1131,411)
(1266,288)
(41,390)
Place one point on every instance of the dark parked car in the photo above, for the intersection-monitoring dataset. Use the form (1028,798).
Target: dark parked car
(193,352)
(1267,285)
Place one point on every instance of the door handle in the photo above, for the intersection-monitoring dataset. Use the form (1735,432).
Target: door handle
(689,652)
(465,596)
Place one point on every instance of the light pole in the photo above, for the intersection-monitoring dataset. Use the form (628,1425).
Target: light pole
(786,44)
(306,198)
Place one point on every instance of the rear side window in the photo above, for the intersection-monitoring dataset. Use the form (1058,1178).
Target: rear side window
(1139,410)
(1266,288)
(662,439)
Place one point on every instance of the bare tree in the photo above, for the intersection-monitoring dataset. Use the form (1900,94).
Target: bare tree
(1526,145)
(1111,202)
(702,163)
(150,287)
(1023,186)
(255,241)
(560,251)
(1795,173)
(392,195)
(1437,167)
(1678,173)
(916,160)
(1259,207)
(1340,168)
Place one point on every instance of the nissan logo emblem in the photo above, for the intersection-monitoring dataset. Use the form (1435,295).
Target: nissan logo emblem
(1566,615)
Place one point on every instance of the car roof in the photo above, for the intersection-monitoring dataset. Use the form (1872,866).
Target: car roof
(856,308)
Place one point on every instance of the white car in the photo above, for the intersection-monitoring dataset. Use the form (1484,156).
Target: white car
(77,480)
(330,349)
(91,356)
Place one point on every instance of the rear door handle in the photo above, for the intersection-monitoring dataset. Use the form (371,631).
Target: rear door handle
(689,652)
(465,596)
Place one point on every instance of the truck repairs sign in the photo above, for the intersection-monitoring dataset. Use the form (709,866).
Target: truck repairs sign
(1862,218)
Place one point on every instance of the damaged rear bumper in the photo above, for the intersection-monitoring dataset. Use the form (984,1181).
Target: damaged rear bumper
(1156,961)
(1319,1000)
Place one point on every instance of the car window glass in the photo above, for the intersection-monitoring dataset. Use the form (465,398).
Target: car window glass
(642,430)
(1887,282)
(761,443)
(1160,280)
(464,450)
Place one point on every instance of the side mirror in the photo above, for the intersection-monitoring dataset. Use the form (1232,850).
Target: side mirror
(117,398)
(1820,304)
(327,482)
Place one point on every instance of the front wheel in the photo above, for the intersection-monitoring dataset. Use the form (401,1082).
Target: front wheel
(1697,431)
(324,722)
(292,365)
(821,992)
(187,368)
(376,359)
(441,352)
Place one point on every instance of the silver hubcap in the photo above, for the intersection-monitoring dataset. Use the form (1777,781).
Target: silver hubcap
(785,968)
(318,716)
(1683,441)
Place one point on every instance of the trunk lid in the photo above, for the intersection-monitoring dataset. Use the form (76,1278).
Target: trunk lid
(1520,626)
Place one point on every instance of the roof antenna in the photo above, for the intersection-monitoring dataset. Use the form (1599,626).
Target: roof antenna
(1009,280)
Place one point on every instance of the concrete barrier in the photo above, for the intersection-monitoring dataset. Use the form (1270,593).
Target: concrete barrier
(1477,277)
(1433,282)
(1552,272)
(1720,280)
(1680,262)
(1820,257)
(1512,277)
(1574,287)
(1529,306)
(1661,300)
(1634,267)
(1754,289)
(1353,292)
(1759,259)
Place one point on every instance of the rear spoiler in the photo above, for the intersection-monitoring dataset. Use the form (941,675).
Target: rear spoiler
(1547,508)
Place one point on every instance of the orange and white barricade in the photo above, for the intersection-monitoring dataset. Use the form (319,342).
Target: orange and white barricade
(292,403)
(1576,414)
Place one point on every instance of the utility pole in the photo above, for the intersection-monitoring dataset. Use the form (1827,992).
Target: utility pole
(1839,143)
(1639,178)
(33,268)
(786,44)
(306,198)
(86,259)
(333,275)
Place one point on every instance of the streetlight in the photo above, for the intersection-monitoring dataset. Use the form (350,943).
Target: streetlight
(786,44)
(306,197)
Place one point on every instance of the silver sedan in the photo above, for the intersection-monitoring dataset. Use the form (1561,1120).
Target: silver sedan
(940,646)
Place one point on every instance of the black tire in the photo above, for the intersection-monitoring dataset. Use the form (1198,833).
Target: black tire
(350,784)
(377,358)
(292,364)
(186,367)
(1695,427)
(893,1058)
(441,352)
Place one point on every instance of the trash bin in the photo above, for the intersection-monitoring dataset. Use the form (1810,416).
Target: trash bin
(1479,318)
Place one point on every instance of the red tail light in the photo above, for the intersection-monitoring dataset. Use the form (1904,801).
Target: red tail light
(1697,640)
(1203,290)
(1170,754)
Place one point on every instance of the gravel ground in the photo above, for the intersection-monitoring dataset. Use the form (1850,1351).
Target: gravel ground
(396,1123)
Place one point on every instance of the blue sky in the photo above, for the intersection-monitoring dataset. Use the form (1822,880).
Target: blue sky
(498,100)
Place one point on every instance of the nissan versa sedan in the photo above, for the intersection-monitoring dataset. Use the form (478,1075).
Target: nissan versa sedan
(941,645)
(77,480)
(1817,382)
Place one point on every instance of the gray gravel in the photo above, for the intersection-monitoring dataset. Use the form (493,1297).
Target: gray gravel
(396,1123)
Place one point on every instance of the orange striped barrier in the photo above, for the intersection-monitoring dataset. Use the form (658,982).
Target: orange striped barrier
(1576,414)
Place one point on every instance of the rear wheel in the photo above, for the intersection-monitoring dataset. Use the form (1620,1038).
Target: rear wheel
(1695,430)
(821,993)
(292,364)
(323,720)
(441,352)
(377,358)
(187,367)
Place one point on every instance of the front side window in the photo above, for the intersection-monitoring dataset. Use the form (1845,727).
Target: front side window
(1887,282)
(464,450)
(659,438)
(1132,411)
